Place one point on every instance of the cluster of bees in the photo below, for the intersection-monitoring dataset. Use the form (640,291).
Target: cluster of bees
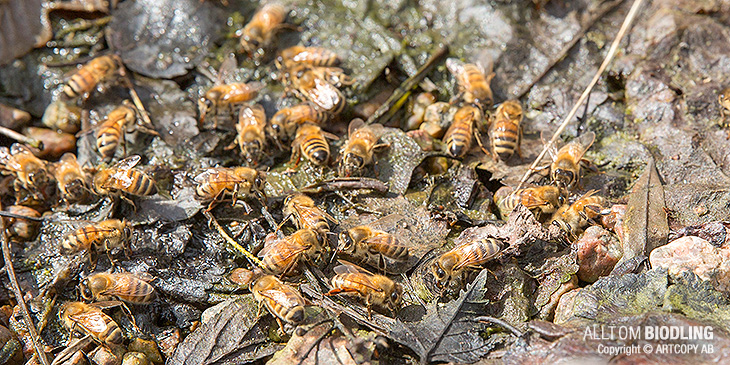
(312,75)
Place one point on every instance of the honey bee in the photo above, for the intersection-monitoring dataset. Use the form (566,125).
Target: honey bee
(286,121)
(539,199)
(251,137)
(283,301)
(111,132)
(724,100)
(90,320)
(125,287)
(226,96)
(91,74)
(371,245)
(450,266)
(565,168)
(107,234)
(311,142)
(311,85)
(473,82)
(70,178)
(306,214)
(505,131)
(575,217)
(123,177)
(417,110)
(312,56)
(360,147)
(30,172)
(376,290)
(459,136)
(259,32)
(215,183)
(62,116)
(282,255)
(18,228)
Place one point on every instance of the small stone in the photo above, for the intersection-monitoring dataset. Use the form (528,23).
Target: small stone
(598,253)
(564,310)
(691,253)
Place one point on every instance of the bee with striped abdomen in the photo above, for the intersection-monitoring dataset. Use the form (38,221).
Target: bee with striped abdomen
(458,137)
(282,300)
(70,178)
(126,287)
(566,166)
(108,234)
(90,75)
(372,246)
(473,82)
(360,146)
(281,256)
(541,200)
(506,132)
(449,267)
(312,85)
(376,290)
(306,214)
(260,30)
(251,137)
(122,177)
(285,122)
(311,142)
(575,217)
(312,56)
(214,183)
(90,320)
(31,173)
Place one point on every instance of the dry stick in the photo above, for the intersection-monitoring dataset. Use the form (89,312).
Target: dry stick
(251,258)
(564,51)
(137,101)
(21,138)
(609,57)
(19,296)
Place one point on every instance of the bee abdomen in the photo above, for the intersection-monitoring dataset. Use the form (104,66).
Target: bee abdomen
(107,142)
(458,141)
(317,149)
(505,140)
(113,334)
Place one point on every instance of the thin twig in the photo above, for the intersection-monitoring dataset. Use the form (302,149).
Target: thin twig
(21,138)
(136,100)
(501,323)
(248,255)
(37,346)
(609,57)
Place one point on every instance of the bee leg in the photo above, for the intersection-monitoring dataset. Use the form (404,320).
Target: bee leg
(519,144)
(108,255)
(131,317)
(129,201)
(478,136)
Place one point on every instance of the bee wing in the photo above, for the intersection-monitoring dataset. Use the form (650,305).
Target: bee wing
(585,140)
(279,297)
(331,136)
(282,242)
(228,66)
(91,321)
(120,288)
(454,65)
(324,94)
(127,163)
(355,124)
(18,148)
(382,239)
(472,257)
(545,136)
(346,267)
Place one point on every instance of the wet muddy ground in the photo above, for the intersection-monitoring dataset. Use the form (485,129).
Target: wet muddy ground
(655,254)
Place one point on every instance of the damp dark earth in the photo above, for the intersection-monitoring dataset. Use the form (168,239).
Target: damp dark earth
(356,182)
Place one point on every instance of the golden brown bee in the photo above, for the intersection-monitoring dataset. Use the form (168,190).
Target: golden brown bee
(282,255)
(376,290)
(282,300)
(360,147)
(286,121)
(306,214)
(62,116)
(459,136)
(70,178)
(107,235)
(450,266)
(260,30)
(251,138)
(417,110)
(90,320)
(314,86)
(125,287)
(311,142)
(123,177)
(30,171)
(111,131)
(473,82)
(226,96)
(724,100)
(91,74)
(312,56)
(539,199)
(505,132)
(21,229)
(565,169)
(575,217)
(240,182)
(371,245)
